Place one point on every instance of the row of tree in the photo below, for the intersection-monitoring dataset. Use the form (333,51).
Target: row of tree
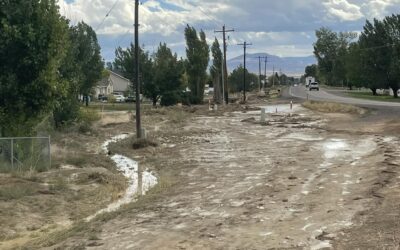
(372,61)
(45,64)
(166,77)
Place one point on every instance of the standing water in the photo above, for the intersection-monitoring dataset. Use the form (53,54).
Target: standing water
(130,170)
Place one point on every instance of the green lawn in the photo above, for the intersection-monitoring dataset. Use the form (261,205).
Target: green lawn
(369,96)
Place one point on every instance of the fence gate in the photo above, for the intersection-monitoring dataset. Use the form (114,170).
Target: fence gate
(25,153)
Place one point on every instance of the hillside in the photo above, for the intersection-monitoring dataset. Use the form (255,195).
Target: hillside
(293,66)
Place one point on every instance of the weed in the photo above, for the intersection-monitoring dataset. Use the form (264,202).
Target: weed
(16,192)
(328,107)
(59,185)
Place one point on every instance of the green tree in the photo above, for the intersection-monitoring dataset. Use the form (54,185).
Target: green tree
(216,71)
(124,64)
(167,77)
(197,53)
(330,50)
(81,68)
(88,58)
(311,70)
(33,42)
(376,56)
(236,80)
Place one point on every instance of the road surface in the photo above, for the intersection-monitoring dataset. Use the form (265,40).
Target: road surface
(302,93)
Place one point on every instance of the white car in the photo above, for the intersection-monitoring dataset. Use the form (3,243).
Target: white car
(119,98)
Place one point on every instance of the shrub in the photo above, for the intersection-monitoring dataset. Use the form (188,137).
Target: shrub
(170,98)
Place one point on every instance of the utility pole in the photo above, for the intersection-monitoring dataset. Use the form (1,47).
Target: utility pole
(225,68)
(273,76)
(223,82)
(265,72)
(138,120)
(259,70)
(245,44)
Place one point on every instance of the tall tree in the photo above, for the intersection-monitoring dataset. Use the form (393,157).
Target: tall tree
(197,53)
(376,56)
(88,58)
(216,71)
(124,64)
(330,50)
(33,42)
(167,77)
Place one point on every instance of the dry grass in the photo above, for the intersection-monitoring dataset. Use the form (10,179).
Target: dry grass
(329,107)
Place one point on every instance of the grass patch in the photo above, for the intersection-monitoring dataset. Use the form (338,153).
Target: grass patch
(370,96)
(143,143)
(15,192)
(329,107)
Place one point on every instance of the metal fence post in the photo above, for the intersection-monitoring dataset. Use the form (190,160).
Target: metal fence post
(12,152)
(49,152)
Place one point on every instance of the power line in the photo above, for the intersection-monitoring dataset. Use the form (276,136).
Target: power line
(108,13)
(216,21)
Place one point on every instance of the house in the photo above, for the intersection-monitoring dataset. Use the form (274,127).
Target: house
(111,84)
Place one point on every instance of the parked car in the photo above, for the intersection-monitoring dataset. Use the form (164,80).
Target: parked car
(119,98)
(314,85)
(130,99)
(102,98)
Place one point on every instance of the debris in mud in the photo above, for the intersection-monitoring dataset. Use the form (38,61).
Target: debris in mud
(143,143)
(325,236)
(251,119)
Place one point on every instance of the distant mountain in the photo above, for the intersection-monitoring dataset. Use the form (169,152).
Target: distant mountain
(291,66)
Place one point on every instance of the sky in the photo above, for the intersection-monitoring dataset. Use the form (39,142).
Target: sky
(278,27)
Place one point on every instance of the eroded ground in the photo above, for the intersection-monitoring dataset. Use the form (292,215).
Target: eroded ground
(289,183)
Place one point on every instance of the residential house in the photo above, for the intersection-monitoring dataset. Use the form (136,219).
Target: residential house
(114,83)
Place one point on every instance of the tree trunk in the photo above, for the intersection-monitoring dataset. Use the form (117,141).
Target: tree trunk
(395,89)
(86,100)
(217,89)
(154,101)
(373,91)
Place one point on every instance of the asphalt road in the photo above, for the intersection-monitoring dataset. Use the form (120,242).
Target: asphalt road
(322,95)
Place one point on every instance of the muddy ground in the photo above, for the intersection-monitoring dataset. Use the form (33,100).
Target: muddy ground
(301,180)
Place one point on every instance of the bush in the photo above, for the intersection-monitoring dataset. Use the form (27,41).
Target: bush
(67,111)
(170,98)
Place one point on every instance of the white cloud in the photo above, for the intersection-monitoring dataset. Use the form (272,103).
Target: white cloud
(282,27)
(343,10)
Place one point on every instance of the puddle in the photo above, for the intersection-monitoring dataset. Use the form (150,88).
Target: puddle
(282,108)
(130,170)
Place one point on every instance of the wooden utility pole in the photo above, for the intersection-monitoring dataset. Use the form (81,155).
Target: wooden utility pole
(138,120)
(245,45)
(225,67)
(265,71)
(259,71)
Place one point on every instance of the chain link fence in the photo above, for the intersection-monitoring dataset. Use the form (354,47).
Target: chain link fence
(25,153)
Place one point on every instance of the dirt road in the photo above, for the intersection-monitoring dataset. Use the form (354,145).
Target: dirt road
(287,184)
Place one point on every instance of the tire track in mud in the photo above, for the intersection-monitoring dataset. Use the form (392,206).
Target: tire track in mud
(251,186)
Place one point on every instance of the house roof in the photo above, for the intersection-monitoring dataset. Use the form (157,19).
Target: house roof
(104,82)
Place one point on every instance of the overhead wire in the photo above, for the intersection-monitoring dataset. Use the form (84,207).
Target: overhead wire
(105,17)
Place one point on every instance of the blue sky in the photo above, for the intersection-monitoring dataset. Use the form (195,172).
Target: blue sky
(284,28)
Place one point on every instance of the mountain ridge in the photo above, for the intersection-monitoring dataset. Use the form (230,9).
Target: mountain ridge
(291,66)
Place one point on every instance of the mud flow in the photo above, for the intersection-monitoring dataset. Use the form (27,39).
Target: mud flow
(285,183)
